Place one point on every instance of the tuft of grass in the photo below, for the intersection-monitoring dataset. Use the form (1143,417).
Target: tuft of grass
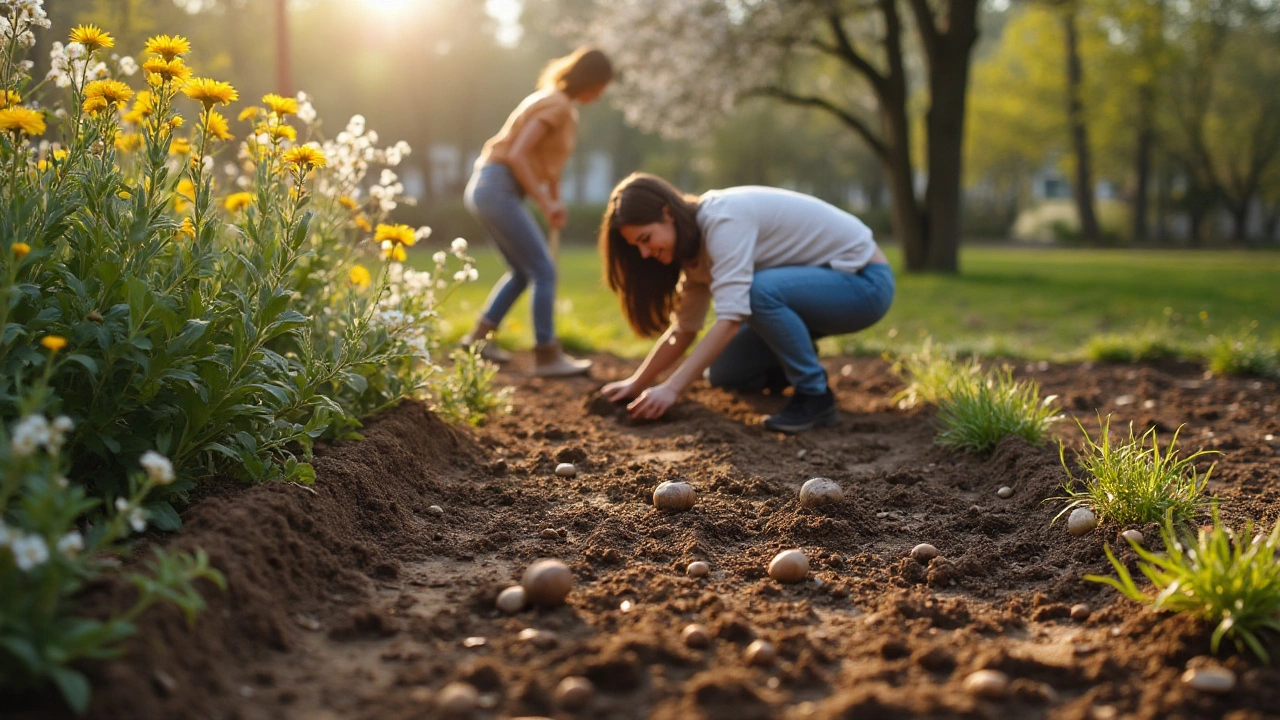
(1132,482)
(1150,343)
(930,373)
(977,413)
(1230,581)
(1243,353)
(465,392)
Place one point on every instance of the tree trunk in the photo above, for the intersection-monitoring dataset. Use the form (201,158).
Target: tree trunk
(908,225)
(1089,230)
(1271,224)
(1240,220)
(1142,161)
(948,89)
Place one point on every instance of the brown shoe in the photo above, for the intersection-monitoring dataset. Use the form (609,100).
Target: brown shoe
(550,361)
(490,351)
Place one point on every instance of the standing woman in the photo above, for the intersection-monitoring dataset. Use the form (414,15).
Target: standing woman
(783,269)
(525,159)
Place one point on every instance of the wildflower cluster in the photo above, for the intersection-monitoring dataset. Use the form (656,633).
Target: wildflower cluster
(177,321)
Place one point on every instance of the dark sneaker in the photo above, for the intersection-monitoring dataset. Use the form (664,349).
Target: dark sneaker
(805,412)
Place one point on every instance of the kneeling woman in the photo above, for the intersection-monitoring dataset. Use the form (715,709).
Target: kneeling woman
(783,269)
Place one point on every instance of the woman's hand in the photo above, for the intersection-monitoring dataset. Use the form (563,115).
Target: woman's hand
(653,403)
(556,213)
(620,390)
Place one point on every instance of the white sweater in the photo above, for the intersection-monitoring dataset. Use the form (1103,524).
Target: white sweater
(746,229)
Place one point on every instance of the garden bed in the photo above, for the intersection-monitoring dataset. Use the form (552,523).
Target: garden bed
(356,599)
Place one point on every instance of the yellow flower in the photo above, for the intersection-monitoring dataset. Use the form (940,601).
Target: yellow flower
(53,343)
(60,155)
(143,107)
(186,194)
(167,47)
(124,194)
(187,228)
(128,142)
(393,251)
(92,37)
(360,276)
(306,156)
(347,202)
(8,98)
(398,234)
(21,120)
(238,201)
(94,105)
(218,127)
(281,106)
(176,122)
(113,91)
(249,113)
(362,222)
(180,146)
(210,92)
(283,132)
(21,249)
(161,70)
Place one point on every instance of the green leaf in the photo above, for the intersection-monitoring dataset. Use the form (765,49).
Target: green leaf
(73,686)
(85,361)
(162,516)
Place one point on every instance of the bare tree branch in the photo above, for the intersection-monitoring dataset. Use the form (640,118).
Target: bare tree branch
(875,143)
(844,49)
(929,35)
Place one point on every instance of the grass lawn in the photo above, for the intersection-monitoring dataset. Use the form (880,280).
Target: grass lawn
(1025,302)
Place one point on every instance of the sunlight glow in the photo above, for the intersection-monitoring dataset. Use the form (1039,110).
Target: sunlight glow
(390,8)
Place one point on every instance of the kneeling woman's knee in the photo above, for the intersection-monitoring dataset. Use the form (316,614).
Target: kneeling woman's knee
(763,298)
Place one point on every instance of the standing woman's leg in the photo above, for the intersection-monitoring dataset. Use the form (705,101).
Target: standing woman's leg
(498,201)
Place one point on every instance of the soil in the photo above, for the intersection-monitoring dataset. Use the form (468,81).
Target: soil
(357,599)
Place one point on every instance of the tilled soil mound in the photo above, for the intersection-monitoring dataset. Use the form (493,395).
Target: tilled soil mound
(359,599)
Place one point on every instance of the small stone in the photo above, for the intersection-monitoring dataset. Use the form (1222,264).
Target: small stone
(566,470)
(1081,521)
(549,534)
(1081,611)
(1215,680)
(674,496)
(457,699)
(698,569)
(474,641)
(436,510)
(1005,492)
(760,652)
(1132,536)
(547,582)
(164,682)
(789,566)
(987,683)
(818,491)
(695,636)
(541,639)
(923,553)
(511,600)
(574,692)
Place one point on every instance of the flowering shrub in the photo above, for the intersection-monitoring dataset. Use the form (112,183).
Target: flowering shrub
(182,302)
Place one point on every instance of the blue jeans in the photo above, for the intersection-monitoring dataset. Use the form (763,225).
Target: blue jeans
(494,197)
(790,308)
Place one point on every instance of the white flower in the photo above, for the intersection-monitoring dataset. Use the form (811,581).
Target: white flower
(122,505)
(460,276)
(458,246)
(158,467)
(440,257)
(71,544)
(387,178)
(128,66)
(306,111)
(138,519)
(30,433)
(100,72)
(75,51)
(29,552)
(356,125)
(473,274)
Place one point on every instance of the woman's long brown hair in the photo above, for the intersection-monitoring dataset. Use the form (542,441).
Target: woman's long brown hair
(646,287)
(577,72)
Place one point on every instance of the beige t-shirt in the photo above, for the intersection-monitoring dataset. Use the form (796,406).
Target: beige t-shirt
(549,156)
(745,229)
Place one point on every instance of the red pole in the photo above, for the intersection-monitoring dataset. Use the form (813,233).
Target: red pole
(284,75)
